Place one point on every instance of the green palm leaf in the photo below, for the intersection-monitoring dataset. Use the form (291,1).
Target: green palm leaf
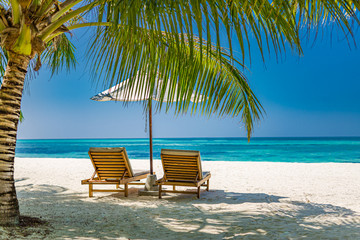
(208,19)
(60,54)
(185,69)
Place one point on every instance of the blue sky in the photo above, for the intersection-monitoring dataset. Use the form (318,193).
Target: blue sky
(313,95)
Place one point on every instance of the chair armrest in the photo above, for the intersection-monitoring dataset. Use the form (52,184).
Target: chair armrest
(207,177)
(85,181)
(161,180)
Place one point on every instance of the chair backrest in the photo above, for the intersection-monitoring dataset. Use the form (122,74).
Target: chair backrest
(181,165)
(111,163)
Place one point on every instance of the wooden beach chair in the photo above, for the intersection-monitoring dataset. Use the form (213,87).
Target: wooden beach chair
(182,168)
(112,166)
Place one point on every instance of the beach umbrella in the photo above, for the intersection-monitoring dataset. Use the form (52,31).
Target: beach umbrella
(127,92)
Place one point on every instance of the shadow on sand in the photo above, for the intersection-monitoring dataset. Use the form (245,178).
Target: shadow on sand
(217,215)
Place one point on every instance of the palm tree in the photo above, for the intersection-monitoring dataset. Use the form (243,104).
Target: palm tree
(173,39)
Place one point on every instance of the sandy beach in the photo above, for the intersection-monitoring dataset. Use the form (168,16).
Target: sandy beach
(247,200)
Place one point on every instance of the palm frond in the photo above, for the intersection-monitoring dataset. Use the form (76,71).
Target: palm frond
(314,17)
(59,54)
(185,70)
(213,20)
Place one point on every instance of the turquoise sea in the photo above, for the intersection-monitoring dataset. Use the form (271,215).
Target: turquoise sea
(212,149)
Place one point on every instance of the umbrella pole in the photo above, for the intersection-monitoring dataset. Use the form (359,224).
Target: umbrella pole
(150,136)
(151,189)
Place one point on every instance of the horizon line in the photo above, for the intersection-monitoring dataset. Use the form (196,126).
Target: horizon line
(185,138)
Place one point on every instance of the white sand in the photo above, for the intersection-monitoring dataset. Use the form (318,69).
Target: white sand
(247,200)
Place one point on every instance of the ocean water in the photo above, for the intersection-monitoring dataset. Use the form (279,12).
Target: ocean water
(309,150)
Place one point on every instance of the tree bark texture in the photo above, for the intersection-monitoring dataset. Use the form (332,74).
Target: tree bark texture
(10,102)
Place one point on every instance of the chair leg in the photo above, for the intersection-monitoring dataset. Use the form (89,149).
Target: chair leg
(207,185)
(160,188)
(198,192)
(126,189)
(90,190)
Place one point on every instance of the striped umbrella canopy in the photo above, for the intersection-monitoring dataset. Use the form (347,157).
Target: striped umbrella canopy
(138,90)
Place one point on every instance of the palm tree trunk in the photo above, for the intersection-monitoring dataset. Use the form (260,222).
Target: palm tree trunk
(10,102)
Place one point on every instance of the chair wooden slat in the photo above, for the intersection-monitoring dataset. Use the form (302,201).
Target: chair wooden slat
(107,156)
(119,160)
(95,154)
(181,168)
(194,164)
(180,159)
(104,167)
(177,158)
(177,161)
(183,158)
(109,163)
(101,165)
(180,177)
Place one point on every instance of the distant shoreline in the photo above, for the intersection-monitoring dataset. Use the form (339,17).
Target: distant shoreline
(252,138)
